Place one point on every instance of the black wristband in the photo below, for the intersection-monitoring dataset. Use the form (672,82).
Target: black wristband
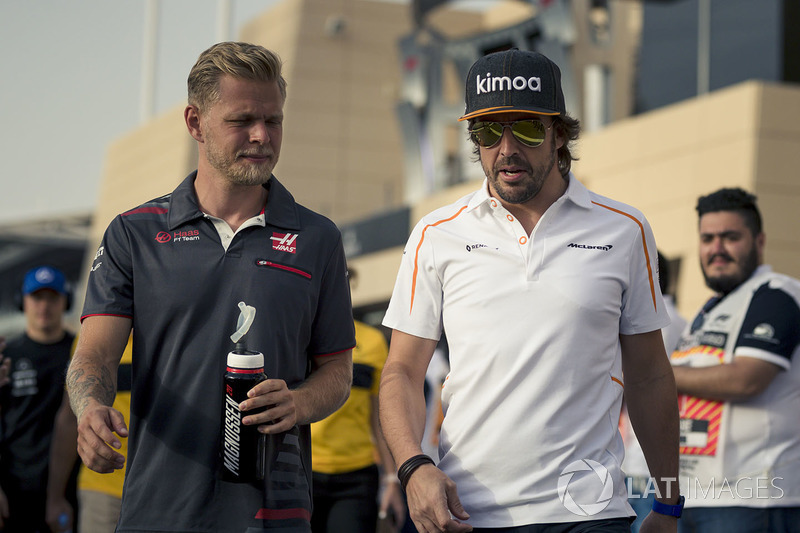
(408,468)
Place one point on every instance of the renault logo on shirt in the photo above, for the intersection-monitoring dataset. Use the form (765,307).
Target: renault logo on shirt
(284,242)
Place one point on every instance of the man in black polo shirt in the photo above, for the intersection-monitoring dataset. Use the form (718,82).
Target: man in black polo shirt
(174,269)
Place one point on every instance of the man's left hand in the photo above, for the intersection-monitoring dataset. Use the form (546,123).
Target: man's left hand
(281,412)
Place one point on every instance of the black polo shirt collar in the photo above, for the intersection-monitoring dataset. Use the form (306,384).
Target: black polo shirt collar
(281,208)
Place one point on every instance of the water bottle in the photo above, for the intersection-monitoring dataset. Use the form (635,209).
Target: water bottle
(243,447)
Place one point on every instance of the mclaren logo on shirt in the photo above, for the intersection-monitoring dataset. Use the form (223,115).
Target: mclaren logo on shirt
(603,247)
(284,242)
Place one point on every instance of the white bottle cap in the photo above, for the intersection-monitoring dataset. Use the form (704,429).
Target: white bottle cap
(247,314)
(246,360)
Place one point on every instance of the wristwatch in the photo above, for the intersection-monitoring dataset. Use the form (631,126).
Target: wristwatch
(669,510)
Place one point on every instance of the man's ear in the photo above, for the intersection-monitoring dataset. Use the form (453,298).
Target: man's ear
(192,117)
(760,244)
(560,139)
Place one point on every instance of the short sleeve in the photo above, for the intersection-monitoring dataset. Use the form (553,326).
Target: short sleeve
(771,327)
(643,308)
(333,330)
(109,289)
(416,304)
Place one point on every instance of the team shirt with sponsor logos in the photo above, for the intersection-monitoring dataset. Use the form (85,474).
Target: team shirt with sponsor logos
(745,453)
(179,275)
(533,325)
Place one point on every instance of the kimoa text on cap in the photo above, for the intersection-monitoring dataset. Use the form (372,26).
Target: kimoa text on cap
(500,83)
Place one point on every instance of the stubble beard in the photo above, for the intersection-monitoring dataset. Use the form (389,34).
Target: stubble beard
(530,187)
(235,170)
(727,284)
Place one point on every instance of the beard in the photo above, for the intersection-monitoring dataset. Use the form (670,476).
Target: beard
(726,284)
(238,171)
(528,188)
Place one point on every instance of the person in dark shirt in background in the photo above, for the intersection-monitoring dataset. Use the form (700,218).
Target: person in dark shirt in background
(29,400)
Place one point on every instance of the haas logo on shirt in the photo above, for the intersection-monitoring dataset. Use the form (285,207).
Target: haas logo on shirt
(284,242)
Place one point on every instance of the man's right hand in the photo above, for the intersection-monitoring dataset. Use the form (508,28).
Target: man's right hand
(432,498)
(96,438)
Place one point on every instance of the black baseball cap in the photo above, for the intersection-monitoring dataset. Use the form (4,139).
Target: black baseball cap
(514,81)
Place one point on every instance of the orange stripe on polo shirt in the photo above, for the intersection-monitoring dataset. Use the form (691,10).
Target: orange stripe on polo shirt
(416,255)
(644,245)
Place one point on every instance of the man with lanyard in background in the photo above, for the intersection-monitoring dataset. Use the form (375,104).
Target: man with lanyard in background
(738,375)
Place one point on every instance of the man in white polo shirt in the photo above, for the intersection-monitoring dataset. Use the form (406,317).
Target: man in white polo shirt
(737,370)
(547,292)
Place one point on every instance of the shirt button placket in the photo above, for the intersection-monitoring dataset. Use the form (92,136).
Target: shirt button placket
(516,229)
(525,249)
(519,232)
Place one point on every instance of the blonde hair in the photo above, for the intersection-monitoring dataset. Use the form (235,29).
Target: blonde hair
(240,60)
